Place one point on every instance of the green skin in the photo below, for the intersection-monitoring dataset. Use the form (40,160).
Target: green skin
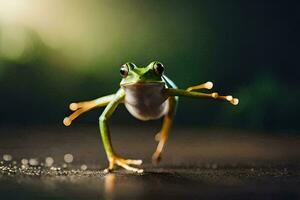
(147,94)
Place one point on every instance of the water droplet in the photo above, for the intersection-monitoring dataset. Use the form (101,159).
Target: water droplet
(33,161)
(24,161)
(24,166)
(7,157)
(214,166)
(68,158)
(49,161)
(83,167)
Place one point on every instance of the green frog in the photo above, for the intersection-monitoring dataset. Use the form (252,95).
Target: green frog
(148,94)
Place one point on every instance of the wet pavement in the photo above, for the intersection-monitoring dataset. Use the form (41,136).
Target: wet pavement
(197,164)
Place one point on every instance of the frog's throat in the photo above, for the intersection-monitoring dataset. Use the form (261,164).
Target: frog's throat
(143,83)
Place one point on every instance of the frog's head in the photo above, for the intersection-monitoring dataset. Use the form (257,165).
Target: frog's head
(150,74)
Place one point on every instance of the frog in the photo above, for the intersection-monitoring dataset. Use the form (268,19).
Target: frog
(148,94)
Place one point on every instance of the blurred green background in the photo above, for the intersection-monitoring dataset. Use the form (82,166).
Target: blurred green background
(54,52)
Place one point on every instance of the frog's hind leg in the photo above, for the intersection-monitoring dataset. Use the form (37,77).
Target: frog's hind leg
(162,136)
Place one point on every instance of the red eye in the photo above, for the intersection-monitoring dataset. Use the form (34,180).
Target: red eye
(124,71)
(159,68)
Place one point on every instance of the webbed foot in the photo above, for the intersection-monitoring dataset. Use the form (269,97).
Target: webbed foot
(125,163)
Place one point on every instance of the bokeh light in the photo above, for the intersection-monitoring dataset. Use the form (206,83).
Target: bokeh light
(73,50)
(49,161)
(7,157)
(68,158)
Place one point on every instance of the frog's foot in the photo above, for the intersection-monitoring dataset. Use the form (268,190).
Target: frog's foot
(157,137)
(68,120)
(229,98)
(78,109)
(125,163)
(156,157)
(208,85)
(82,105)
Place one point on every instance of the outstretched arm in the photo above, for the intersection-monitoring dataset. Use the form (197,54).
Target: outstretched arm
(189,93)
(82,107)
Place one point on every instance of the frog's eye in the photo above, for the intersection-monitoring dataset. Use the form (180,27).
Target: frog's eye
(124,71)
(159,68)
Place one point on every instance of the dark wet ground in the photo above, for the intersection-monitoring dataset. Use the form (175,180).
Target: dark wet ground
(197,164)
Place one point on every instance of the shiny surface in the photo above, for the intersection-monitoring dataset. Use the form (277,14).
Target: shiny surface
(196,164)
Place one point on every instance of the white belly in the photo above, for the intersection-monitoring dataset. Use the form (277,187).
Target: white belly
(145,101)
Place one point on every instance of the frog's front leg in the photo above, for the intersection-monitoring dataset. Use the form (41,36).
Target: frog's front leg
(209,85)
(105,135)
(82,107)
(214,95)
(162,136)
